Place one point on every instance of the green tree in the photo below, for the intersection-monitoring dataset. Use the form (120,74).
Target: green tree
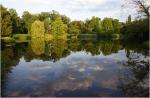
(129,19)
(47,25)
(43,15)
(17,25)
(53,15)
(6,23)
(65,19)
(93,25)
(29,19)
(74,28)
(107,25)
(116,26)
(96,23)
(58,28)
(37,29)
(137,30)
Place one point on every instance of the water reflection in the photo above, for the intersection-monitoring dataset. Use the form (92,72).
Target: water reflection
(38,45)
(136,83)
(74,68)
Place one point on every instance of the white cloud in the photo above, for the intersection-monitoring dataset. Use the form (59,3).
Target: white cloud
(38,1)
(75,9)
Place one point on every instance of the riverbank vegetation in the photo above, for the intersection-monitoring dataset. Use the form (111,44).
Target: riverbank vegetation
(53,24)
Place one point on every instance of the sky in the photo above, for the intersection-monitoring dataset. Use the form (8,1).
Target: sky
(75,9)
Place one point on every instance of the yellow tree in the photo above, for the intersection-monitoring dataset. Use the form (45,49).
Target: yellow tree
(37,29)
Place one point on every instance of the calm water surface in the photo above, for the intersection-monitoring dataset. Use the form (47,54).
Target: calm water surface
(74,68)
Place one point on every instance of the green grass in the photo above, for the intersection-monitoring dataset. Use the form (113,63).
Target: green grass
(21,37)
(8,39)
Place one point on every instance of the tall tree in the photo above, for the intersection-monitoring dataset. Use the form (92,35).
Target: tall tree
(16,21)
(58,28)
(27,18)
(129,19)
(6,23)
(47,24)
(75,28)
(65,19)
(93,25)
(53,15)
(107,25)
(44,15)
(37,29)
(116,26)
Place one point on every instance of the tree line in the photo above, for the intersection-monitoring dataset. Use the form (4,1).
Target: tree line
(56,24)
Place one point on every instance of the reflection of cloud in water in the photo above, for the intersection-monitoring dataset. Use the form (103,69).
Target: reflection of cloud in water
(41,67)
(96,68)
(37,77)
(72,85)
(81,70)
(70,73)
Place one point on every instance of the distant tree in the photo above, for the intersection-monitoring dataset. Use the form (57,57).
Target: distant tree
(88,26)
(6,23)
(43,15)
(29,19)
(37,29)
(47,25)
(53,15)
(74,28)
(16,22)
(129,19)
(137,30)
(116,26)
(58,28)
(65,19)
(95,21)
(107,25)
(93,25)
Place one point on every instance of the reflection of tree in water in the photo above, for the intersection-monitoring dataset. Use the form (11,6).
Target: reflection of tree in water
(137,82)
(56,49)
(109,47)
(136,47)
(74,45)
(91,46)
(94,47)
(38,45)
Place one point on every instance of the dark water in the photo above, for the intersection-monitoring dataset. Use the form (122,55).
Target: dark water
(86,68)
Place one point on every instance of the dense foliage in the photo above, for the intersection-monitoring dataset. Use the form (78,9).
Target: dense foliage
(6,23)
(58,28)
(37,29)
(59,25)
(137,30)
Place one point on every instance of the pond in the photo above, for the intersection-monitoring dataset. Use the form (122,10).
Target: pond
(74,68)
